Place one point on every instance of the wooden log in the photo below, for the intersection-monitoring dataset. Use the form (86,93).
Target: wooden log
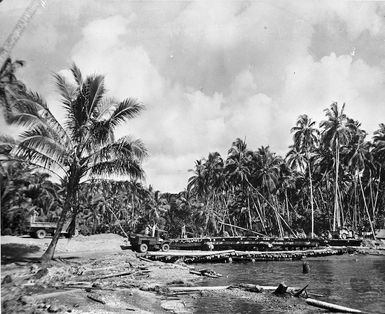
(198,288)
(145,259)
(299,292)
(331,306)
(95,299)
(115,275)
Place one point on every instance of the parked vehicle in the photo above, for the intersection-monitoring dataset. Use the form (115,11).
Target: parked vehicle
(40,230)
(343,234)
(143,243)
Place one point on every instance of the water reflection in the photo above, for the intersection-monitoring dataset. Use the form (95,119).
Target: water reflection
(354,281)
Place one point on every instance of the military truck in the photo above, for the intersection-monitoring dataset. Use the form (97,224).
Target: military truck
(41,229)
(143,243)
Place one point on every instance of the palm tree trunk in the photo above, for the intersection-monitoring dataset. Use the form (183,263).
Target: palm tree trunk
(367,209)
(311,200)
(336,217)
(249,213)
(49,253)
(259,215)
(287,206)
(355,220)
(376,199)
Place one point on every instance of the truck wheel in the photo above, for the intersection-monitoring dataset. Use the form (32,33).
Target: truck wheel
(143,248)
(165,247)
(40,234)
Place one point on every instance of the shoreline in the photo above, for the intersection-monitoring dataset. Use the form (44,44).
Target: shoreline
(106,279)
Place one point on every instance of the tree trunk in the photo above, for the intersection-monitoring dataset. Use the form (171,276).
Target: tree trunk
(367,209)
(336,218)
(311,199)
(49,253)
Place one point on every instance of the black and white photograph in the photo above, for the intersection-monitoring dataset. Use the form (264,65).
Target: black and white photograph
(192,156)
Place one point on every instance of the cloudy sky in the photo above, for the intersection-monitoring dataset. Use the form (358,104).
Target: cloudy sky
(211,71)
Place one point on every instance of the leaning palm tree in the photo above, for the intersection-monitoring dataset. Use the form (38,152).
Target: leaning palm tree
(84,146)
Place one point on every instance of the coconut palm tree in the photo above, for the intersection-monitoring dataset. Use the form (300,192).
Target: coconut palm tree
(197,184)
(337,131)
(359,160)
(84,146)
(305,140)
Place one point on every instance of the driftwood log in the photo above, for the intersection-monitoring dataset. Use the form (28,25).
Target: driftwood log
(95,299)
(331,306)
(183,289)
(300,291)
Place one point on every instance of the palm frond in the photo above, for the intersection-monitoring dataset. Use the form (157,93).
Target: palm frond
(7,143)
(66,90)
(77,74)
(127,109)
(95,93)
(39,139)
(120,167)
(37,158)
(125,148)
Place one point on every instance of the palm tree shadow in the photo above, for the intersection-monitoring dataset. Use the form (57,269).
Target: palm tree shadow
(16,252)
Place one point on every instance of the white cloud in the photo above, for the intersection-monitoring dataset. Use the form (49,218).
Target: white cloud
(211,71)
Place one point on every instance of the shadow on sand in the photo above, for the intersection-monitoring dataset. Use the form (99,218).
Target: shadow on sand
(16,252)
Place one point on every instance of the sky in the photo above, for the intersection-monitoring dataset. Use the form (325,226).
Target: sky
(209,72)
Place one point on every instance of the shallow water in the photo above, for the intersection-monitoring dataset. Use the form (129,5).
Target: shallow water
(355,281)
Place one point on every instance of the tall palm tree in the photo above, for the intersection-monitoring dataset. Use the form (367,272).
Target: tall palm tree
(197,183)
(84,146)
(305,140)
(359,160)
(337,131)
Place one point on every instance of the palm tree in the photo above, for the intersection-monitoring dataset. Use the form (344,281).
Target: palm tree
(265,174)
(84,146)
(359,160)
(238,163)
(305,139)
(337,130)
(197,184)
